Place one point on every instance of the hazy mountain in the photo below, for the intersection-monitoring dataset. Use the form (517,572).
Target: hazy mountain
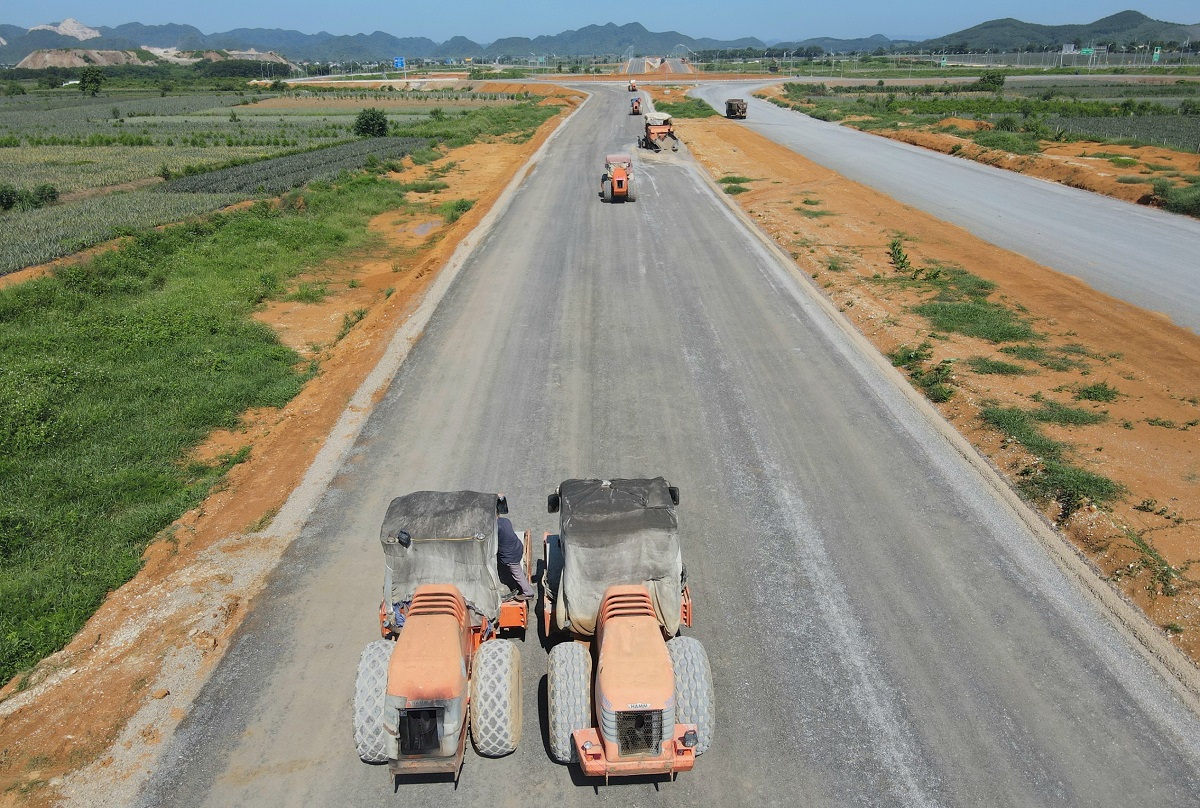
(1128,26)
(1122,28)
(831,45)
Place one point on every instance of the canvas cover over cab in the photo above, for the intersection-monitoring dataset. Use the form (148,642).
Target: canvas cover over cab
(451,538)
(617,532)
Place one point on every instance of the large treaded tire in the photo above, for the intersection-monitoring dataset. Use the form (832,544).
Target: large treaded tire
(568,697)
(370,693)
(693,688)
(496,698)
(606,190)
(629,197)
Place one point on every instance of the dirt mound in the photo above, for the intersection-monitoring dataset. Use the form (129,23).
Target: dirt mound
(78,57)
(966,123)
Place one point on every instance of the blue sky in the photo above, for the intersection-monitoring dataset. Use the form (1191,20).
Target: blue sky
(487,20)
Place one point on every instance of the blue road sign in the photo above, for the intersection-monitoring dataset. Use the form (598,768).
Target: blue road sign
(398,63)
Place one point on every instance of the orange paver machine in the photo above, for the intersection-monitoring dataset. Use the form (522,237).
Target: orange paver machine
(441,666)
(626,694)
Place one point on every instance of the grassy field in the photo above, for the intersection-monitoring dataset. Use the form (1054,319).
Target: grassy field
(113,370)
(227,150)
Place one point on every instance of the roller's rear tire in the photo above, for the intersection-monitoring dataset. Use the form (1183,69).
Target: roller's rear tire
(693,688)
(607,190)
(496,698)
(370,692)
(568,697)
(629,197)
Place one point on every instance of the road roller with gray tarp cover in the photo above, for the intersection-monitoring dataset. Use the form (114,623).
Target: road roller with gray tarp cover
(441,666)
(615,585)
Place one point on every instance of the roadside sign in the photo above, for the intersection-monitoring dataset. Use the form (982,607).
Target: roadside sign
(398,63)
(1157,53)
(1087,51)
(943,62)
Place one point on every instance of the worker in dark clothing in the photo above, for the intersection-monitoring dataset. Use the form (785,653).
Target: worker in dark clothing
(510,554)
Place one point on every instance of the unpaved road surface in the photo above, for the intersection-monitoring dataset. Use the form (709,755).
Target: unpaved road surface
(884,629)
(1142,255)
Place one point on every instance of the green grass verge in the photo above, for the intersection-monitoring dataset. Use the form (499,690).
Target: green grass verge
(686,108)
(113,370)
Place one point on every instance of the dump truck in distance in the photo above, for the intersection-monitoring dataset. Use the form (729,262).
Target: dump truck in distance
(659,129)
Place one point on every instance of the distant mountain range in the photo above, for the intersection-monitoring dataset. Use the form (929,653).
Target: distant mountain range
(16,43)
(1127,27)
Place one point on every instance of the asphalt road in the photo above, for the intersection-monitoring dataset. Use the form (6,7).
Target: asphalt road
(883,630)
(1142,255)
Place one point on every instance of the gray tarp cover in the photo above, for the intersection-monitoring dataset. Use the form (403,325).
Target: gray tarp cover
(617,532)
(453,542)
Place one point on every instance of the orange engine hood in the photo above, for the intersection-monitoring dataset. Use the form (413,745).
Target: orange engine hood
(428,661)
(634,670)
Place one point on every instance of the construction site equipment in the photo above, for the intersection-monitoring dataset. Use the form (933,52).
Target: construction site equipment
(735,108)
(633,85)
(659,129)
(635,106)
(440,667)
(615,585)
(616,183)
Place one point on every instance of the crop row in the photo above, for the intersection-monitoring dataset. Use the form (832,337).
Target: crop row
(280,174)
(76,168)
(1180,132)
(32,237)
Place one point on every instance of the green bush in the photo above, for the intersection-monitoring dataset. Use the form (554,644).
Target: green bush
(1017,143)
(1178,198)
(371,122)
(12,197)
(455,208)
(1008,123)
(1100,391)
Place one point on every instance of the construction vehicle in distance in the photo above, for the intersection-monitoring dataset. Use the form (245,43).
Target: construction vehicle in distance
(659,129)
(616,183)
(635,106)
(735,108)
(633,85)
(615,587)
(440,667)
